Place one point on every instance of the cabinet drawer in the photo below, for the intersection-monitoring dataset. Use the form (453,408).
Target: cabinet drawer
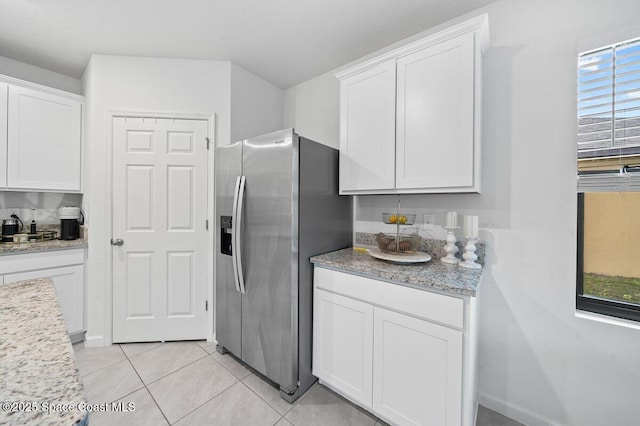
(34,261)
(419,303)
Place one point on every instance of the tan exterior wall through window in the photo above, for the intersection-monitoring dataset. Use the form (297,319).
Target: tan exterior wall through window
(612,233)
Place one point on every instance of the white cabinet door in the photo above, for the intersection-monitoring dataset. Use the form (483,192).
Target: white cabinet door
(69,284)
(343,345)
(3,135)
(367,129)
(417,371)
(435,116)
(44,141)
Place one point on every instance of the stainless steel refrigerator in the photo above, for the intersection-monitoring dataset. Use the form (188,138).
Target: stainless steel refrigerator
(277,204)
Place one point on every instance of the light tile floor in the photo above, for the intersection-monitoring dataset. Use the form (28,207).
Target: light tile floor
(185,383)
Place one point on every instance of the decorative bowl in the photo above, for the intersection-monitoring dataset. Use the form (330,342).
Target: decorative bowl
(398,243)
(399,218)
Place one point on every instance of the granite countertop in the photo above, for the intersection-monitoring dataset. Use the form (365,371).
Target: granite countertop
(52,245)
(40,383)
(433,275)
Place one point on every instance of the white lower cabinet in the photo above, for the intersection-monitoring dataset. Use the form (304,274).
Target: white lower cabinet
(401,364)
(417,370)
(66,269)
(343,344)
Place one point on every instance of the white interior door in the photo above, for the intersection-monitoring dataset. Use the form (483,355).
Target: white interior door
(159,214)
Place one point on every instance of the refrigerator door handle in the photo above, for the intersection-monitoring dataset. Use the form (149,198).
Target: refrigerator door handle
(234,242)
(238,236)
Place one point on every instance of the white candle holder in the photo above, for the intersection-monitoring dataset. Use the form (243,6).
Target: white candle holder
(450,248)
(470,255)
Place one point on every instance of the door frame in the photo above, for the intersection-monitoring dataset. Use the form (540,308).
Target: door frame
(108,212)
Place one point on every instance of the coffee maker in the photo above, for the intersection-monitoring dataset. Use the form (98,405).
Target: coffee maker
(69,225)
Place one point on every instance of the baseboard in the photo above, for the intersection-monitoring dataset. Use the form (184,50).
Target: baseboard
(94,341)
(76,337)
(515,412)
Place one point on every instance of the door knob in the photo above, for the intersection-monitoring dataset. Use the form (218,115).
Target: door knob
(117,242)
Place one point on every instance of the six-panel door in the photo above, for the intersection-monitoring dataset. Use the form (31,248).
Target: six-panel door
(159,212)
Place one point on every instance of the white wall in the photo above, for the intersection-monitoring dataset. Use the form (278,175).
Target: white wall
(118,83)
(244,105)
(256,105)
(312,108)
(539,363)
(23,71)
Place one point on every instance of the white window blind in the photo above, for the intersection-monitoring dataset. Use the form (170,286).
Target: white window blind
(608,133)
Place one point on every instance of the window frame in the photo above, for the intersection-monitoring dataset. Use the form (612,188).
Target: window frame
(625,178)
(597,305)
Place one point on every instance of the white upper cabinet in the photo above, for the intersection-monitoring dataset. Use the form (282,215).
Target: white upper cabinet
(3,135)
(433,109)
(44,140)
(435,139)
(368,122)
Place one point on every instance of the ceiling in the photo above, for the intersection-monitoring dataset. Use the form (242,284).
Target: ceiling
(283,41)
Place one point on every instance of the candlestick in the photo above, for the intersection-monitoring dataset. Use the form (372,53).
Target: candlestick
(471,226)
(451,219)
(470,255)
(450,248)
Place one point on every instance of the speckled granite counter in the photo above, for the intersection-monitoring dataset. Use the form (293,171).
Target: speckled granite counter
(53,245)
(433,275)
(39,380)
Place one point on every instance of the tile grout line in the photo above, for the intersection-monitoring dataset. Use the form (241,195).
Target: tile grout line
(265,401)
(238,380)
(213,397)
(168,374)
(101,368)
(145,386)
(160,378)
(126,359)
(209,400)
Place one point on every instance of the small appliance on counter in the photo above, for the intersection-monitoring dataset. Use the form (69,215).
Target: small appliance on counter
(69,223)
(10,227)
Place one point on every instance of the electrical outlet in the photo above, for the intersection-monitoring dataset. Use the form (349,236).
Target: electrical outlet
(429,222)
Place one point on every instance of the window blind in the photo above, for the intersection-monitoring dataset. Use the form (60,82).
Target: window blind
(608,133)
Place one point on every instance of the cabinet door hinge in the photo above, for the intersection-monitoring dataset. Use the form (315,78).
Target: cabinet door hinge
(206,224)
(208,142)
(206,305)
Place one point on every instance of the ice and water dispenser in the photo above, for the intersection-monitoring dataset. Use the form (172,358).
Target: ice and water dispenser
(226,228)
